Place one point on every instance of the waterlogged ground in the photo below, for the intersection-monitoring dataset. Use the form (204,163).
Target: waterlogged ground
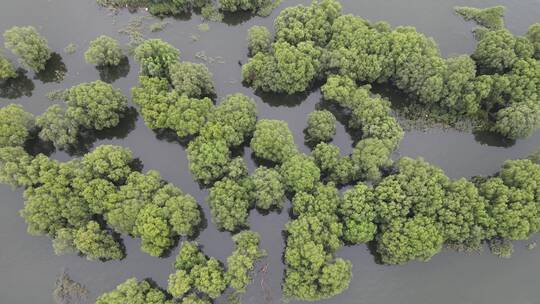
(28,268)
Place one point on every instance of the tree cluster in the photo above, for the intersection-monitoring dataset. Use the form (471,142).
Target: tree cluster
(312,272)
(76,202)
(205,276)
(104,51)
(497,86)
(90,106)
(210,9)
(31,48)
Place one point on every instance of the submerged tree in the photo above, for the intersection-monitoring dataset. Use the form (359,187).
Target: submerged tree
(15,125)
(29,45)
(272,140)
(134,292)
(7,70)
(192,79)
(321,126)
(156,57)
(491,17)
(104,51)
(259,40)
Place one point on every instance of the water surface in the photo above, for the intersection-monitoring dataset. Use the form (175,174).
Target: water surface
(28,267)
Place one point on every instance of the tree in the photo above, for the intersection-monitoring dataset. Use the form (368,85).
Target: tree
(104,51)
(358,214)
(311,271)
(133,292)
(133,196)
(95,243)
(403,240)
(152,226)
(241,262)
(518,120)
(195,299)
(272,140)
(192,79)
(236,116)
(57,127)
(208,159)
(369,156)
(244,5)
(463,216)
(95,105)
(300,173)
(533,34)
(29,45)
(259,40)
(269,190)
(15,125)
(189,256)
(334,167)
(210,278)
(156,57)
(179,284)
(185,115)
(496,51)
(490,18)
(7,70)
(307,23)
(110,162)
(321,126)
(229,203)
(286,69)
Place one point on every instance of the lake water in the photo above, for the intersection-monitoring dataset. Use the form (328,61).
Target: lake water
(28,267)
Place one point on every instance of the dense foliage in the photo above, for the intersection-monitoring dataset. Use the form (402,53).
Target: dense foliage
(210,9)
(259,40)
(62,199)
(497,86)
(104,51)
(29,45)
(92,106)
(134,292)
(272,140)
(191,79)
(156,57)
(321,126)
(7,70)
(15,125)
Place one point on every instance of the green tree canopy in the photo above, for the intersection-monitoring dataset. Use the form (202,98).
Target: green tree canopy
(156,57)
(268,188)
(134,292)
(300,173)
(15,125)
(259,40)
(272,140)
(104,51)
(321,126)
(29,45)
(192,79)
(95,105)
(7,70)
(229,203)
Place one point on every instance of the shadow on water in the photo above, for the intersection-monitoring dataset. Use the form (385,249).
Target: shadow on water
(237,18)
(34,145)
(17,87)
(170,136)
(110,74)
(55,70)
(280,100)
(87,138)
(493,139)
